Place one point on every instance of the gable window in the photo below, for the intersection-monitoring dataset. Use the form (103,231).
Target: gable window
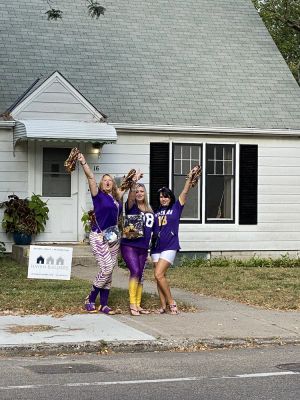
(220,183)
(185,157)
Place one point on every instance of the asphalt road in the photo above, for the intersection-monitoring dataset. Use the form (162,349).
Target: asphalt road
(271,373)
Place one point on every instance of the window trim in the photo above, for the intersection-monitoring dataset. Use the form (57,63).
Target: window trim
(221,220)
(199,186)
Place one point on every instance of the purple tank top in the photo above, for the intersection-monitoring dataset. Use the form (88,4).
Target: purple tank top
(107,210)
(144,241)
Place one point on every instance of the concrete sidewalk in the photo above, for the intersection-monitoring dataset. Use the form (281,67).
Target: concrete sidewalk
(217,323)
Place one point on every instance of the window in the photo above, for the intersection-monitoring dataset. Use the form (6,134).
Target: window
(56,181)
(219,166)
(220,182)
(185,157)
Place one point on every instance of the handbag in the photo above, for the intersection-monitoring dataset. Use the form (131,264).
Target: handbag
(111,234)
(133,226)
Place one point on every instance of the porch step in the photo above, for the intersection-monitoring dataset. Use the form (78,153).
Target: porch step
(82,254)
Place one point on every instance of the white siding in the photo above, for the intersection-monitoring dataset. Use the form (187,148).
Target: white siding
(278,227)
(56,100)
(13,174)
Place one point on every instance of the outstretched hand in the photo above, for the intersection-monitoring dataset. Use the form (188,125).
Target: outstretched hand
(81,158)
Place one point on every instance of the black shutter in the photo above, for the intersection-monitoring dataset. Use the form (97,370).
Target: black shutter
(159,170)
(248,185)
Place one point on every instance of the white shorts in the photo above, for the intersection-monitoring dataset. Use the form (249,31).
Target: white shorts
(168,255)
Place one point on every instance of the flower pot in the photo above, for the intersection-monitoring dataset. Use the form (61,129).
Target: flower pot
(22,239)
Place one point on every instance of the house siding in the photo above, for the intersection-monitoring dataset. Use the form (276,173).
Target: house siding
(55,102)
(13,174)
(278,227)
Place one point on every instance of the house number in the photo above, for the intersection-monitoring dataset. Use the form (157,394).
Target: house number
(96,168)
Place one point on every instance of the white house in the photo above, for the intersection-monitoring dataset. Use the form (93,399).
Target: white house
(164,85)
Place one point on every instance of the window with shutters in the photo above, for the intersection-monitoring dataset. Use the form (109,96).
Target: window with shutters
(218,187)
(185,157)
(220,183)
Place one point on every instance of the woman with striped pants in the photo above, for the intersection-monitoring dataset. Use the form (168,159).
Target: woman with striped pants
(107,208)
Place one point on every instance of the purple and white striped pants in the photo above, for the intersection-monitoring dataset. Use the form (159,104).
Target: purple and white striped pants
(107,258)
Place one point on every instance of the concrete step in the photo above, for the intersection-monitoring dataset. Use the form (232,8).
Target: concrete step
(82,254)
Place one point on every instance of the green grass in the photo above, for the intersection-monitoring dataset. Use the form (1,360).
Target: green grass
(37,296)
(272,284)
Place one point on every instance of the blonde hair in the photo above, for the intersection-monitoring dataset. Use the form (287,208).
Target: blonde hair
(114,191)
(146,203)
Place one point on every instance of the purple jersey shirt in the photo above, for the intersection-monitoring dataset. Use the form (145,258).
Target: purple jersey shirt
(166,225)
(107,210)
(144,241)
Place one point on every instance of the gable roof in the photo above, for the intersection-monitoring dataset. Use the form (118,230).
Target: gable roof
(198,62)
(57,97)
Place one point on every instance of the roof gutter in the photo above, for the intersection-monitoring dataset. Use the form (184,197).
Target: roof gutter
(7,124)
(200,130)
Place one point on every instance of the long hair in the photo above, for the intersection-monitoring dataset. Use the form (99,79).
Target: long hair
(146,202)
(166,192)
(114,191)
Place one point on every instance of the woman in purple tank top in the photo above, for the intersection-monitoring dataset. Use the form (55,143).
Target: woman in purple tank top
(135,251)
(165,240)
(107,203)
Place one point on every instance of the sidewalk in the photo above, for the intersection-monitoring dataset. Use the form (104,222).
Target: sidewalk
(217,323)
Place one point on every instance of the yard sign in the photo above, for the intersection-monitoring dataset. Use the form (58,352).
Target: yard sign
(47,262)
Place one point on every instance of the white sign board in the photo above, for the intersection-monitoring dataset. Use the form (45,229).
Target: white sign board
(47,262)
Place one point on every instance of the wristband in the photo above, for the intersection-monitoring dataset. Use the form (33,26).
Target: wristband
(83,163)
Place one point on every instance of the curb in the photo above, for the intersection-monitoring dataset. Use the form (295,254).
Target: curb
(102,347)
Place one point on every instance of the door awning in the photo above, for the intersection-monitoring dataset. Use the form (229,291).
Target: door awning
(54,130)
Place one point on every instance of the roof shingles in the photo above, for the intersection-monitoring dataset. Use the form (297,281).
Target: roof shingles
(196,62)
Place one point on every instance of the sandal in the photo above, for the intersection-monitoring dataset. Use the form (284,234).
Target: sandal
(106,310)
(161,311)
(89,307)
(142,311)
(134,312)
(173,309)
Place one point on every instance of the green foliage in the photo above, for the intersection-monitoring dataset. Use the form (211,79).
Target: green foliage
(87,219)
(26,216)
(254,262)
(54,14)
(282,18)
(40,211)
(95,10)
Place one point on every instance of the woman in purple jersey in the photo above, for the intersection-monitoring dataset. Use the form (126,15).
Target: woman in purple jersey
(107,208)
(165,241)
(135,251)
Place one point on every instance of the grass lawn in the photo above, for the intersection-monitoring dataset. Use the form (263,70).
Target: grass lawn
(19,295)
(272,284)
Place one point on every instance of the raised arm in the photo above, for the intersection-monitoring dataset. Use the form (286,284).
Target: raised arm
(191,181)
(88,173)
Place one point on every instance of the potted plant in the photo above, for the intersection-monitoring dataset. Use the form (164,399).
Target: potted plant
(87,219)
(24,217)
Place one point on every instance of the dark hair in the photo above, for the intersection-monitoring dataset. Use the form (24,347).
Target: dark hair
(166,192)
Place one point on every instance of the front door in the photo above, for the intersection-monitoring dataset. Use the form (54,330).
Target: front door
(60,190)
